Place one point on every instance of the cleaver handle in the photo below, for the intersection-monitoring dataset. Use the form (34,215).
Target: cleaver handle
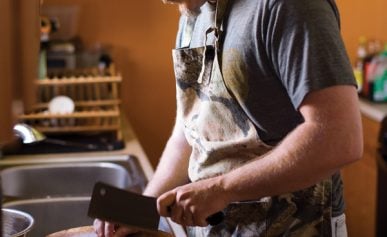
(215,218)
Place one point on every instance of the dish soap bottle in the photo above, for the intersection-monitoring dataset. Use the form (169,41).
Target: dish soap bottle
(377,75)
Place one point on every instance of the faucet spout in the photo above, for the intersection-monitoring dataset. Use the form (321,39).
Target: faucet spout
(28,134)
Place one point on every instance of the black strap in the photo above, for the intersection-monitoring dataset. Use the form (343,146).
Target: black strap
(220,14)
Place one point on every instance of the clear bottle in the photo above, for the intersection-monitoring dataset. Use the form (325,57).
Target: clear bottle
(362,50)
(361,54)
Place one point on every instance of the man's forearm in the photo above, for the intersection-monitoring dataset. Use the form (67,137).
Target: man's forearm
(295,164)
(313,151)
(172,170)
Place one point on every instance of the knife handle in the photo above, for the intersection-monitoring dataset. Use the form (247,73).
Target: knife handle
(215,218)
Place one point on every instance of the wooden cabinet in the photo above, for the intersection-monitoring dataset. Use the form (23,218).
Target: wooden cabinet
(360,185)
(5,70)
(19,46)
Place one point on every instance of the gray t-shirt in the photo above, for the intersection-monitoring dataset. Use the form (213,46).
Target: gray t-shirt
(274,52)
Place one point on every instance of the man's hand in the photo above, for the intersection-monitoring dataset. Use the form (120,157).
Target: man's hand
(192,203)
(106,229)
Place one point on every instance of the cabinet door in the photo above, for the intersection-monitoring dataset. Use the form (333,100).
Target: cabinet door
(360,185)
(6,43)
(19,47)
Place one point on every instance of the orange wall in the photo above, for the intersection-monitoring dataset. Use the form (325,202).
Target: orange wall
(142,34)
(362,18)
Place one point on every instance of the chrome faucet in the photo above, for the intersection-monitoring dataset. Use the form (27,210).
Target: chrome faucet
(28,134)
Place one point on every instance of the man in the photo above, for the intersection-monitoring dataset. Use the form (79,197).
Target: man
(267,114)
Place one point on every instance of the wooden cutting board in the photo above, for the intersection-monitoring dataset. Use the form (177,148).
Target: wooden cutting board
(83,231)
(88,231)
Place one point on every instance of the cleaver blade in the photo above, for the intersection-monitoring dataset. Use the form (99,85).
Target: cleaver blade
(123,207)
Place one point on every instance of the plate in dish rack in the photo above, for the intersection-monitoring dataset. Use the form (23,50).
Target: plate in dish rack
(61,105)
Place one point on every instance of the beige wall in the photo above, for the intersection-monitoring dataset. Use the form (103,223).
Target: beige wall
(142,34)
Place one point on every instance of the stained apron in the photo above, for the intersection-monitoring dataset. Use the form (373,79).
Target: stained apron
(223,137)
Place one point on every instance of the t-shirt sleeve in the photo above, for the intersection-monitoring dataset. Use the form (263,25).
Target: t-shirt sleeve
(304,43)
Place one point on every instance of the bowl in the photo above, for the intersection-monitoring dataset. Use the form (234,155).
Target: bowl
(54,214)
(16,223)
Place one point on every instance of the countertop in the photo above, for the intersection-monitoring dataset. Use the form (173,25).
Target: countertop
(132,147)
(374,111)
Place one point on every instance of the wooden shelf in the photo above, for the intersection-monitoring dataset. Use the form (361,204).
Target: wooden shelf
(69,129)
(94,103)
(77,81)
(84,114)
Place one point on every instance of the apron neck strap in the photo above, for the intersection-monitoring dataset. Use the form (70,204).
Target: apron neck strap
(221,9)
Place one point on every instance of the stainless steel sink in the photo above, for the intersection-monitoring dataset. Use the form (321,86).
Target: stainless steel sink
(57,195)
(56,214)
(69,179)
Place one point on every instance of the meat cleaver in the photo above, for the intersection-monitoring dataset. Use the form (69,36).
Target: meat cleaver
(124,207)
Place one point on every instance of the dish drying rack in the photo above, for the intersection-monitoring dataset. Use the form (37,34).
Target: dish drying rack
(96,99)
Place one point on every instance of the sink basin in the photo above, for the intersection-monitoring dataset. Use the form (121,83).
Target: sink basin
(57,195)
(56,214)
(69,179)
